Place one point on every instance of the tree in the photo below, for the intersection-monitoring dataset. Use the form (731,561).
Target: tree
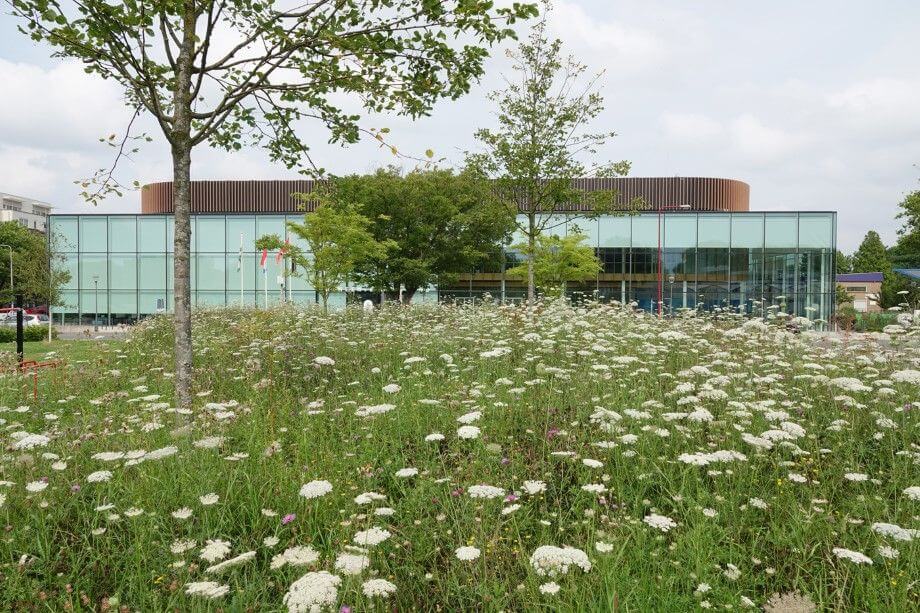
(843,263)
(339,237)
(37,275)
(240,72)
(556,260)
(534,154)
(906,252)
(842,296)
(871,255)
(439,223)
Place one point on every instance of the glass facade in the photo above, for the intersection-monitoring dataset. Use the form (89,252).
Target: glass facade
(121,265)
(746,261)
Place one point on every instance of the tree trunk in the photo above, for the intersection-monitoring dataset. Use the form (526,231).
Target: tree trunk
(181,276)
(182,201)
(531,246)
(408,292)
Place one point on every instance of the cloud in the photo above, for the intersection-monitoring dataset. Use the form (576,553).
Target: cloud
(57,107)
(879,106)
(762,143)
(689,127)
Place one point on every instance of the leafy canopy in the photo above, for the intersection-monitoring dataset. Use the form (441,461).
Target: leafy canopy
(558,260)
(439,223)
(338,238)
(31,274)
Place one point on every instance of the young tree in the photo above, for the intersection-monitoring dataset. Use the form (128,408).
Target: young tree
(339,237)
(440,223)
(239,72)
(535,152)
(556,260)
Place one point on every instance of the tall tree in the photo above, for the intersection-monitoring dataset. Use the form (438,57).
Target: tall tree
(906,252)
(37,275)
(239,72)
(338,238)
(556,261)
(440,223)
(842,263)
(871,255)
(542,135)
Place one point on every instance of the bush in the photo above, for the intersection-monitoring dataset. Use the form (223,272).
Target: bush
(29,334)
(874,322)
(846,317)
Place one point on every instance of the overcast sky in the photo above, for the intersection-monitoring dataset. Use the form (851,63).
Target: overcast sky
(815,104)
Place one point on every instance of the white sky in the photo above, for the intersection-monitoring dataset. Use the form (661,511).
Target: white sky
(815,104)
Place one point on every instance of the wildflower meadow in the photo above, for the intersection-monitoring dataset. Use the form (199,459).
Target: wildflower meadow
(489,458)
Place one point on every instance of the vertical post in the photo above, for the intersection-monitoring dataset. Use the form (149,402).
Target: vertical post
(503,274)
(241,270)
(265,282)
(96,308)
(659,263)
(20,353)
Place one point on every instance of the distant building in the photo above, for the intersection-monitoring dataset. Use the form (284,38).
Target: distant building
(860,286)
(696,244)
(30,213)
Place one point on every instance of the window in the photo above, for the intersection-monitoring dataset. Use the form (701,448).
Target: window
(856,288)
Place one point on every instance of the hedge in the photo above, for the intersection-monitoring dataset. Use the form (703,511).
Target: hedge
(29,333)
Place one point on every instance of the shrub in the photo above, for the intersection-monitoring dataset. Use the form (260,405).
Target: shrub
(29,334)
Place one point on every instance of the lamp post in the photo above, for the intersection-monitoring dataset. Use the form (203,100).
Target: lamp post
(96,308)
(662,209)
(12,297)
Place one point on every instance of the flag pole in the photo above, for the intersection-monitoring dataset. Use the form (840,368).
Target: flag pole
(241,270)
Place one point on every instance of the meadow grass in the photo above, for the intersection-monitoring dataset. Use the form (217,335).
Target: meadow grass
(778,459)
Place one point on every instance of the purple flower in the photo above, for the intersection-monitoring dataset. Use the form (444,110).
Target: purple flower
(345,609)
(510,498)
(505,461)
(288,519)
(552,432)
(75,487)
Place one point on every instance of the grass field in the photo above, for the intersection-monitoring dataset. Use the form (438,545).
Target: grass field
(473,458)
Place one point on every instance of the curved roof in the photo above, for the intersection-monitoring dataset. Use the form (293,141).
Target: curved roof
(700,193)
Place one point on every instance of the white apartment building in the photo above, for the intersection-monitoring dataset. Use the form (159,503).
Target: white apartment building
(32,214)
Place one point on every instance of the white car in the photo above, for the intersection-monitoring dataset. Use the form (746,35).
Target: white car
(28,319)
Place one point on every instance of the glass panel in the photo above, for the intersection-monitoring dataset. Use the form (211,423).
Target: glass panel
(123,269)
(781,230)
(171,234)
(296,240)
(152,231)
(152,272)
(64,234)
(269,224)
(779,278)
(211,272)
(715,231)
(92,269)
(588,227)
(249,298)
(209,298)
(69,302)
(124,302)
(816,230)
(94,302)
(69,263)
(747,230)
(93,233)
(148,301)
(123,234)
(237,226)
(211,234)
(679,231)
(645,231)
(614,231)
(233,273)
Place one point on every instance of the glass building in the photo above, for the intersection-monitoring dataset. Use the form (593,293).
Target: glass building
(121,266)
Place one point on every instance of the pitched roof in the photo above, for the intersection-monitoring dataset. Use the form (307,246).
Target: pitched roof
(863,277)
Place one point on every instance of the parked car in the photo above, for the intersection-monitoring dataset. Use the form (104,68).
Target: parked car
(28,319)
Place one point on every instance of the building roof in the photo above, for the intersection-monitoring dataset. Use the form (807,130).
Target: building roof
(860,277)
(698,193)
(913,273)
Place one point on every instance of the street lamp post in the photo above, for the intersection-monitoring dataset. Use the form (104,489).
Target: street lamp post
(662,209)
(96,308)
(12,293)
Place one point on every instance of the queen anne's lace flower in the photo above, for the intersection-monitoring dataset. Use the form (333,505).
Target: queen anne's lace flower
(312,593)
(315,489)
(550,561)
(853,556)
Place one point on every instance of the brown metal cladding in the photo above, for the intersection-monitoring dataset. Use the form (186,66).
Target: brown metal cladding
(701,194)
